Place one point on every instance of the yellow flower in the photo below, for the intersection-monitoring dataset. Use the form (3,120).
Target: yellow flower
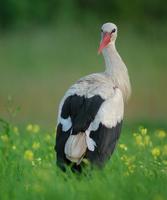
(131,168)
(156,152)
(143,131)
(123,147)
(36,145)
(28,155)
(128,160)
(147,141)
(4,138)
(29,127)
(16,130)
(47,138)
(161,134)
(138,140)
(123,158)
(36,128)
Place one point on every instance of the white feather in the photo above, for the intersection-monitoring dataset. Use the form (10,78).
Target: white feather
(66,123)
(116,69)
(91,144)
(110,113)
(75,147)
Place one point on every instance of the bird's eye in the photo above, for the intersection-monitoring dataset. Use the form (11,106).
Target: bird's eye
(101,30)
(113,31)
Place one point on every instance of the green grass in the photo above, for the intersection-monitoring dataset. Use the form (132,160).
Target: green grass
(137,170)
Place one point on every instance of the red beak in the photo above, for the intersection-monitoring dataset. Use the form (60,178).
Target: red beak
(106,40)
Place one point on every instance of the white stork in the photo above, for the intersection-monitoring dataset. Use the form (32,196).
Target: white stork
(91,112)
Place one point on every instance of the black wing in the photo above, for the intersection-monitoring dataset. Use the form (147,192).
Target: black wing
(106,140)
(82,112)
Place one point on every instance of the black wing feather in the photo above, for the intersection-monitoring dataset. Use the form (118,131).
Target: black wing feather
(106,140)
(82,112)
(61,138)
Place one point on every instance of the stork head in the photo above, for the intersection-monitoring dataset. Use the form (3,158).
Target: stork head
(108,35)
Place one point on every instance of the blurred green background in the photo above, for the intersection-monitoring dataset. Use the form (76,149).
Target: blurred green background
(45,46)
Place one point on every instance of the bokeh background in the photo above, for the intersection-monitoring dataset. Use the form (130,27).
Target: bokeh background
(45,46)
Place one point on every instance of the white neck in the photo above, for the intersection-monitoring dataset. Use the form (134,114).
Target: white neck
(116,69)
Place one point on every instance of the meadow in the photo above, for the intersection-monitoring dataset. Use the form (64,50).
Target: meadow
(37,66)
(137,170)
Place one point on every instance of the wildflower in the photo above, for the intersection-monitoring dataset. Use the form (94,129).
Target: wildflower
(29,127)
(131,168)
(143,131)
(47,138)
(161,134)
(36,145)
(127,160)
(36,128)
(4,138)
(138,140)
(124,157)
(28,155)
(123,147)
(156,152)
(147,141)
(16,130)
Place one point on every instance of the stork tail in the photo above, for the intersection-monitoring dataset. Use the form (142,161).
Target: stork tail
(75,147)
